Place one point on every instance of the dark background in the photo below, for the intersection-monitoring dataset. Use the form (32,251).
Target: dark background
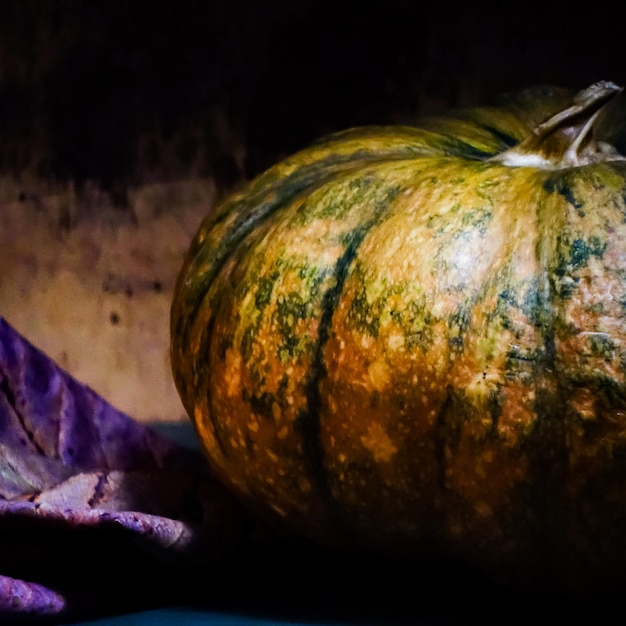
(126,92)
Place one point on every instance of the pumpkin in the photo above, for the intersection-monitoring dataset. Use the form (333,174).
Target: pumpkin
(412,339)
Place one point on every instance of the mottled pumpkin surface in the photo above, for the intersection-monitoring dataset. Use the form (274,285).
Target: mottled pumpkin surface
(396,340)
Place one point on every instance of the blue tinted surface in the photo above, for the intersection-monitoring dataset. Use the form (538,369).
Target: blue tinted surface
(189,617)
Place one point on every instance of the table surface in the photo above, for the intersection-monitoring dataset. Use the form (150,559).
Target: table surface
(513,614)
(191,617)
(416,602)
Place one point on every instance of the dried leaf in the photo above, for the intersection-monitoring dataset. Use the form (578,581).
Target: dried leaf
(19,597)
(46,412)
(84,487)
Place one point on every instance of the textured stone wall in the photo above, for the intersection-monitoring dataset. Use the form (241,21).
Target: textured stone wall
(122,122)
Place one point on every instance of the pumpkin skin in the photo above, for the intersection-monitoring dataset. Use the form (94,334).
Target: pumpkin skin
(399,340)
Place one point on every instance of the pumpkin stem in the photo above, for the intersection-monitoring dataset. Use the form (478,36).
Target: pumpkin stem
(566,139)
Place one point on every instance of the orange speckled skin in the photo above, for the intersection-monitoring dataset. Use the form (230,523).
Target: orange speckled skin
(391,341)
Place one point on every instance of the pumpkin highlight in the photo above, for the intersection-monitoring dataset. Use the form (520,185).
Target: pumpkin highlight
(413,338)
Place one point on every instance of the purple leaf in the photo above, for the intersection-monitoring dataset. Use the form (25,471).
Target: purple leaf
(82,485)
(22,598)
(45,411)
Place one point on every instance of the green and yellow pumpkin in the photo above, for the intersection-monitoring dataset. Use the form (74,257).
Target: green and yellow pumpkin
(413,338)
